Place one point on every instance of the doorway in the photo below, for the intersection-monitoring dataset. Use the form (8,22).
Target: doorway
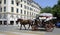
(0,22)
(5,22)
(11,22)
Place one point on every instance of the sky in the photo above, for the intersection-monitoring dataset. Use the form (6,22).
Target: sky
(45,3)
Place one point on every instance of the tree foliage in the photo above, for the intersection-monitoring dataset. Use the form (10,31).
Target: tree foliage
(46,10)
(55,10)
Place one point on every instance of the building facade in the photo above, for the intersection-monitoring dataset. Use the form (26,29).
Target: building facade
(11,10)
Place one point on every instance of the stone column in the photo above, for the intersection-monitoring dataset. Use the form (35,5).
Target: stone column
(14,23)
(8,22)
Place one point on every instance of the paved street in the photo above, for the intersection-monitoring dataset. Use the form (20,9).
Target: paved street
(14,30)
(21,33)
(56,31)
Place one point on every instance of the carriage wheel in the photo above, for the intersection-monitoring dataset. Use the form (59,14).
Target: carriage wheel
(34,28)
(49,28)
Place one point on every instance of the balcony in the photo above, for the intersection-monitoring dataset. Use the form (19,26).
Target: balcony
(17,1)
(30,1)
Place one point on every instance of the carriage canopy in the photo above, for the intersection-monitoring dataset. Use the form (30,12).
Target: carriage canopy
(45,15)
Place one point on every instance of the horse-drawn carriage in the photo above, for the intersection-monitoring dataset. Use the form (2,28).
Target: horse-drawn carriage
(45,20)
(40,21)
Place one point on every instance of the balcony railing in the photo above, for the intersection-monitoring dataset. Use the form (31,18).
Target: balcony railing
(17,1)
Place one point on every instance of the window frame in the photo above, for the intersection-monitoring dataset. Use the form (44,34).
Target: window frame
(4,1)
(5,9)
(12,9)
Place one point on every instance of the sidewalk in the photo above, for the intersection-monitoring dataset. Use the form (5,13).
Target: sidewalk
(14,30)
(22,33)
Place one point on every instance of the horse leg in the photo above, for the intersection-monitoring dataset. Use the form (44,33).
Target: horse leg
(24,27)
(20,26)
(29,27)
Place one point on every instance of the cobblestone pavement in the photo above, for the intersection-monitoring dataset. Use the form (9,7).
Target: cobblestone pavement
(21,33)
(14,30)
(56,31)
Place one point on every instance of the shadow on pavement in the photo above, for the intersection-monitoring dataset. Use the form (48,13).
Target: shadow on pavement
(43,30)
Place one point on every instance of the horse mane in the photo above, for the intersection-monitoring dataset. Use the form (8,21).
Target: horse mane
(19,19)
